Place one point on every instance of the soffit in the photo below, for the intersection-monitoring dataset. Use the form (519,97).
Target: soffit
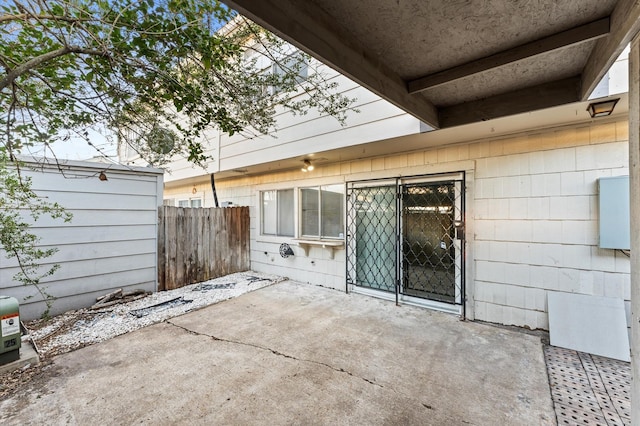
(459,61)
(437,35)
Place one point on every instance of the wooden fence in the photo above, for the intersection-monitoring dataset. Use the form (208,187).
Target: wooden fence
(198,244)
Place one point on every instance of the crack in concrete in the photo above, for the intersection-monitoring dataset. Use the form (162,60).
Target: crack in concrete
(275,352)
(278,353)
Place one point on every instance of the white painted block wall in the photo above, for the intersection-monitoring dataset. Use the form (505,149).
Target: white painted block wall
(536,222)
(533,211)
(110,243)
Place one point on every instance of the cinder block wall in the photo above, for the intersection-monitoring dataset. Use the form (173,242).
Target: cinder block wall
(536,221)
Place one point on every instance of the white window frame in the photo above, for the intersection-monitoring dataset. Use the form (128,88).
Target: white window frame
(297,187)
(190,201)
(277,225)
(320,235)
(277,69)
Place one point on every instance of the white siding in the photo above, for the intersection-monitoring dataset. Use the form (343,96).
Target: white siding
(371,119)
(110,243)
(297,135)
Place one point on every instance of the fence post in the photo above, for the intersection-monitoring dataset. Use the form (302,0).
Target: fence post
(161,248)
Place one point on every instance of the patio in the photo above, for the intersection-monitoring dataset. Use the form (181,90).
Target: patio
(297,354)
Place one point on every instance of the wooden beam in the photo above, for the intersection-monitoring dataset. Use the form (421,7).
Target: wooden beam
(570,37)
(625,24)
(519,101)
(313,30)
(634,213)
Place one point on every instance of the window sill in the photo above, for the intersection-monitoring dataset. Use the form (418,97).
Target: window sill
(331,245)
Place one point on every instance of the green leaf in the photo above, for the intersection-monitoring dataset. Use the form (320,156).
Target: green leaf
(149,63)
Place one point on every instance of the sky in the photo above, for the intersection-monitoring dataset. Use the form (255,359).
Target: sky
(76,148)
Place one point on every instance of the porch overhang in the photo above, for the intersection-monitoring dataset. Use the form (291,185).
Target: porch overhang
(455,63)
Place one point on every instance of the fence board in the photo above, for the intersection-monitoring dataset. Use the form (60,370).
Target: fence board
(197,244)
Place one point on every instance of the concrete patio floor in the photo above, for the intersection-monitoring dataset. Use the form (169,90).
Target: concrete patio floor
(297,354)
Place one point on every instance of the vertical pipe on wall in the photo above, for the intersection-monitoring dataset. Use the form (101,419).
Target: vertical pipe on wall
(215,193)
(634,205)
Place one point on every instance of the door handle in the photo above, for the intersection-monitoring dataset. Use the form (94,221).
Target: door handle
(459,229)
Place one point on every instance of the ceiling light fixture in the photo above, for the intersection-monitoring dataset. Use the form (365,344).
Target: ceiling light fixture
(307,167)
(602,109)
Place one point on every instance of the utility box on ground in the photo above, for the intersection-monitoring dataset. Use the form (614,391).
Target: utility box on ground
(9,330)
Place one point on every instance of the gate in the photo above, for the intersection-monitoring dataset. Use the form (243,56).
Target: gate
(406,237)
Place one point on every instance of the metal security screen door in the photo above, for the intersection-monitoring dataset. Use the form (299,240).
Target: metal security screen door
(405,237)
(372,237)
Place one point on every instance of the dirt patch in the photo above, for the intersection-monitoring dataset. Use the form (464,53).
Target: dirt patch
(17,379)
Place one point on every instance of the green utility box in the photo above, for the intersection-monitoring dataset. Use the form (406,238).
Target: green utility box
(9,330)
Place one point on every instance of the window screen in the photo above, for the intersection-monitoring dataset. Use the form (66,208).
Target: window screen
(277,212)
(322,211)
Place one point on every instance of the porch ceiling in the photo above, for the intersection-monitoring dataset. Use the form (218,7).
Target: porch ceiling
(461,61)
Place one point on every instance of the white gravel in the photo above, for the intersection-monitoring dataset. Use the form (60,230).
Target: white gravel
(75,329)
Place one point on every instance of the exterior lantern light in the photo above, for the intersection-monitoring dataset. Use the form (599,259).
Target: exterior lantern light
(602,109)
(307,166)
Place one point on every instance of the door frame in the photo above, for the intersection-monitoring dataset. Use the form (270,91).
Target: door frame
(465,176)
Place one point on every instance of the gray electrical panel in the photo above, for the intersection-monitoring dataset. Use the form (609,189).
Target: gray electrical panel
(614,213)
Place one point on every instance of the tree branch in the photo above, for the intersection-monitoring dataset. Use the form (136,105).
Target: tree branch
(37,61)
(26,16)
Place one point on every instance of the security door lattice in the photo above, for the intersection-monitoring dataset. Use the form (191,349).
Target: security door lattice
(429,245)
(372,237)
(407,239)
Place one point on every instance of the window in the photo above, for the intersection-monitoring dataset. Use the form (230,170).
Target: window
(290,69)
(294,63)
(192,202)
(277,212)
(321,211)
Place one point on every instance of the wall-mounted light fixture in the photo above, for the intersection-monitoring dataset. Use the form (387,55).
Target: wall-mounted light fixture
(307,166)
(602,109)
(194,190)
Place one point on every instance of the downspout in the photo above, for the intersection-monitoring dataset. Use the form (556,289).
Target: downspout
(215,194)
(217,169)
